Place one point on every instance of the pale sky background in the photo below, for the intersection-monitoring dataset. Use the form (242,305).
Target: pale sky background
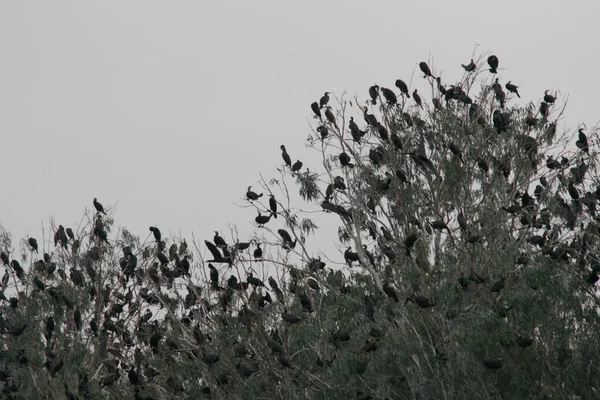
(172,108)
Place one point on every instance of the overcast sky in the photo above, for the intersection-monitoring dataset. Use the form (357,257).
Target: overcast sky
(172,108)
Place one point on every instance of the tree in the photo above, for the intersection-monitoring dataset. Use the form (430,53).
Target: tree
(469,235)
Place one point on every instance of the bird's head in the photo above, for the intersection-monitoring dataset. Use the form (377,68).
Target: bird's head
(282,147)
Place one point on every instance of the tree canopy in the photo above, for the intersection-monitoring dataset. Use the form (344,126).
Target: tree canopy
(466,267)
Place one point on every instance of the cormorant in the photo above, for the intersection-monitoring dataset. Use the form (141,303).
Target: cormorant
(402,87)
(493,63)
(285,156)
(544,109)
(512,88)
(219,241)
(345,160)
(500,120)
(262,219)
(425,69)
(373,92)
(330,116)
(548,98)
(440,87)
(324,100)
(250,195)
(315,107)
(287,239)
(297,166)
(389,95)
(156,232)
(273,206)
(369,118)
(582,143)
(500,95)
(350,256)
(382,131)
(33,243)
(469,67)
(323,131)
(70,233)
(338,183)
(258,251)
(417,98)
(356,133)
(99,207)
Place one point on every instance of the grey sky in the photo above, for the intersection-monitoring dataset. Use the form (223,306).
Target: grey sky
(172,108)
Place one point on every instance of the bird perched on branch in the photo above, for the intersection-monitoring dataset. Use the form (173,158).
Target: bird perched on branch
(250,195)
(512,88)
(493,63)
(99,208)
(425,69)
(324,100)
(469,67)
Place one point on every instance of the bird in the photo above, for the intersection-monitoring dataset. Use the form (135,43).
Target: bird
(323,131)
(250,195)
(262,219)
(70,233)
(469,67)
(287,239)
(315,107)
(417,98)
(401,85)
(389,95)
(156,232)
(330,117)
(425,69)
(258,252)
(345,160)
(500,95)
(219,241)
(297,166)
(285,156)
(373,92)
(324,100)
(493,63)
(33,243)
(512,88)
(273,205)
(99,207)
(582,142)
(548,98)
(500,120)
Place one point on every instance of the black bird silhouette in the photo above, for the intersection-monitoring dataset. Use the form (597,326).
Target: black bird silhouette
(258,251)
(262,219)
(250,195)
(219,241)
(373,92)
(582,142)
(401,85)
(330,117)
(417,98)
(156,232)
(285,156)
(99,207)
(33,243)
(469,67)
(297,166)
(493,63)
(323,131)
(512,88)
(324,100)
(217,257)
(425,69)
(389,95)
(548,98)
(70,233)
(345,160)
(273,206)
(287,239)
(315,107)
(350,256)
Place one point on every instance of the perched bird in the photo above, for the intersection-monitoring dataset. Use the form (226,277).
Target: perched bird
(582,142)
(99,207)
(70,233)
(273,206)
(417,98)
(500,95)
(389,95)
(330,117)
(33,243)
(258,252)
(297,166)
(425,69)
(548,98)
(156,232)
(469,67)
(324,100)
(285,156)
(402,87)
(250,195)
(345,160)
(493,63)
(262,219)
(374,92)
(323,131)
(501,121)
(219,241)
(315,107)
(512,88)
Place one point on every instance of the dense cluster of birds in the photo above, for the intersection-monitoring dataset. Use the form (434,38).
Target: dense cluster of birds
(391,149)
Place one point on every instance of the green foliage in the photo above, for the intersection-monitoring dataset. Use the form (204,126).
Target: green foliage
(469,272)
